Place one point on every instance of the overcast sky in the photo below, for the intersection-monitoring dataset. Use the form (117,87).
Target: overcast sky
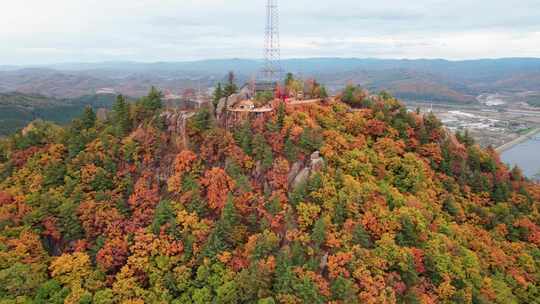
(52,31)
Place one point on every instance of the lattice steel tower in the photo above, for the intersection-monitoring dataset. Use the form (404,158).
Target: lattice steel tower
(272,66)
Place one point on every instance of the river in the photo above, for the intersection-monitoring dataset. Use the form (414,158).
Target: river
(526,155)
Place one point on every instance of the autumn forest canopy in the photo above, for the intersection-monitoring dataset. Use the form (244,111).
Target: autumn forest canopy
(351,200)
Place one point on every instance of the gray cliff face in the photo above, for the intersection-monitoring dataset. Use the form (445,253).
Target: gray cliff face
(299,175)
(176,122)
(295,170)
(221,109)
(176,126)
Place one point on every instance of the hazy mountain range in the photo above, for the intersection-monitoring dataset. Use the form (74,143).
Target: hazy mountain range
(428,80)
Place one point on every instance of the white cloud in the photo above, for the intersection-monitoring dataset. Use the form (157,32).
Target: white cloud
(37,31)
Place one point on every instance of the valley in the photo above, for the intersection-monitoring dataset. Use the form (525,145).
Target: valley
(494,122)
(506,122)
(18,109)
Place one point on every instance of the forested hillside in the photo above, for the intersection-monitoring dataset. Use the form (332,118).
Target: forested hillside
(354,200)
(18,109)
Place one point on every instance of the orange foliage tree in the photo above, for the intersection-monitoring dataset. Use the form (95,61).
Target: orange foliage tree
(218,185)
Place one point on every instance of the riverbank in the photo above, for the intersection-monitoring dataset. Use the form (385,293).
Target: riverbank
(517,141)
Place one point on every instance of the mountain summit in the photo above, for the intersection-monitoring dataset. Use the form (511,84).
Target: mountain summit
(353,199)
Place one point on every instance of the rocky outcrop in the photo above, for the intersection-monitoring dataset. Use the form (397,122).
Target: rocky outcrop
(225,102)
(245,93)
(301,178)
(30,127)
(295,170)
(221,108)
(176,122)
(176,126)
(316,162)
(298,175)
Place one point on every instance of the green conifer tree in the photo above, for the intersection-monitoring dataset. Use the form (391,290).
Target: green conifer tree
(120,115)
(218,94)
(88,118)
(231,87)
(222,237)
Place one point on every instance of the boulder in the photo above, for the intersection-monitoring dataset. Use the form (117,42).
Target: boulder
(324,261)
(30,127)
(257,171)
(316,162)
(176,120)
(295,169)
(298,175)
(227,102)
(221,107)
(233,99)
(176,123)
(245,93)
(301,178)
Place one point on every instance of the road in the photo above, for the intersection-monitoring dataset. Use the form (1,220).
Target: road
(466,107)
(518,141)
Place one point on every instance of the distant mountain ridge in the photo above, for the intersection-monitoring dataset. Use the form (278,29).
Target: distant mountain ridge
(474,67)
(422,79)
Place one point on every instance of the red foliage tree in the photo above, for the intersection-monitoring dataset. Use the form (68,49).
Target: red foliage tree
(418,256)
(375,127)
(99,218)
(216,146)
(5,198)
(218,185)
(20,158)
(113,254)
(50,230)
(144,200)
(184,162)
(278,176)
